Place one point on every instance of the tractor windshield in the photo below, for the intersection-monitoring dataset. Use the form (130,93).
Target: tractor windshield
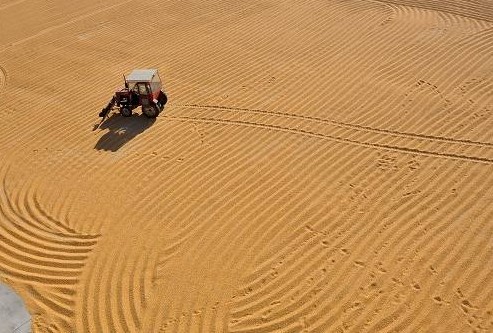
(144,88)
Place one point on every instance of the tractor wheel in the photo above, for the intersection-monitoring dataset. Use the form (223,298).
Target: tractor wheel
(151,111)
(163,100)
(126,112)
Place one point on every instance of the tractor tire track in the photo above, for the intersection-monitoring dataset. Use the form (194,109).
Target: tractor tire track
(348,138)
(248,220)
(341,124)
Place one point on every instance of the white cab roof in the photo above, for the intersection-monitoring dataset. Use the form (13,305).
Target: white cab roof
(141,75)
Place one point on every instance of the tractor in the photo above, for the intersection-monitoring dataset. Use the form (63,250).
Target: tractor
(142,88)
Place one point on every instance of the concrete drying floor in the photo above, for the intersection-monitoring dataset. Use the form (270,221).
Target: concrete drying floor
(14,317)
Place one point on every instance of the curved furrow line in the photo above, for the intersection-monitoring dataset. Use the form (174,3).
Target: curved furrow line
(40,256)
(454,8)
(409,244)
(131,291)
(41,236)
(283,253)
(338,139)
(441,254)
(68,238)
(477,280)
(270,318)
(336,49)
(438,65)
(383,119)
(475,57)
(37,210)
(48,304)
(143,283)
(459,256)
(341,124)
(179,183)
(288,212)
(232,230)
(269,47)
(124,311)
(352,283)
(341,168)
(63,24)
(353,58)
(119,301)
(205,209)
(288,273)
(94,318)
(464,269)
(405,64)
(109,296)
(226,177)
(349,88)
(481,109)
(278,195)
(151,58)
(42,265)
(31,206)
(398,213)
(322,323)
(3,78)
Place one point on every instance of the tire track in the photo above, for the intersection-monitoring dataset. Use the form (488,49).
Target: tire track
(220,188)
(409,150)
(341,124)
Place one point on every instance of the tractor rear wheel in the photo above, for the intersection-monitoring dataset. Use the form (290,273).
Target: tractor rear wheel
(163,99)
(151,111)
(126,112)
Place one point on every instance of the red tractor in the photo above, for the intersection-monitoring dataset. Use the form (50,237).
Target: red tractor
(142,88)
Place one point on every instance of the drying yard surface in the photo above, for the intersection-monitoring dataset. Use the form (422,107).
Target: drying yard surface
(321,166)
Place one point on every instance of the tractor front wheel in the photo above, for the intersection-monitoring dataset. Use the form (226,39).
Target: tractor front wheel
(151,111)
(126,112)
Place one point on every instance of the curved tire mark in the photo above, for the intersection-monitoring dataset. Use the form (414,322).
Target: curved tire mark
(336,138)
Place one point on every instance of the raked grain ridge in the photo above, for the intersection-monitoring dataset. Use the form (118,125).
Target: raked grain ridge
(321,166)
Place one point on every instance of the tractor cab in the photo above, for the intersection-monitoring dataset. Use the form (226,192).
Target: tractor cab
(143,88)
(145,82)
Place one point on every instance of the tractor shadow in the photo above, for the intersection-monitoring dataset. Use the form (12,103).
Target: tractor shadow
(121,130)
